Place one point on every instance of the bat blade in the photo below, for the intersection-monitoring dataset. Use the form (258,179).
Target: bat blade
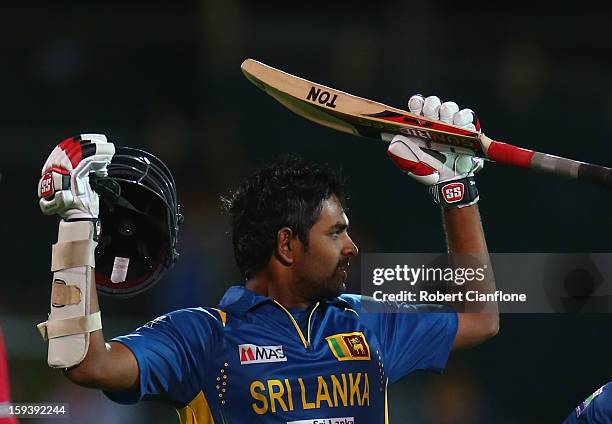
(356,115)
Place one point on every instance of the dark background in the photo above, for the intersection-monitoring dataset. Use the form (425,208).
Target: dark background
(165,77)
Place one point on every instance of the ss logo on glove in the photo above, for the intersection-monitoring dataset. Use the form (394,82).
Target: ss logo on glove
(46,185)
(453,192)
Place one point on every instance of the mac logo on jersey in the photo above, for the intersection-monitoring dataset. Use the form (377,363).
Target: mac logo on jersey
(253,354)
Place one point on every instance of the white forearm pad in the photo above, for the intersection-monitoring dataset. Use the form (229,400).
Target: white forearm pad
(70,320)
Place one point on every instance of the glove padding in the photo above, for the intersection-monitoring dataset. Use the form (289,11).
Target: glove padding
(64,185)
(437,169)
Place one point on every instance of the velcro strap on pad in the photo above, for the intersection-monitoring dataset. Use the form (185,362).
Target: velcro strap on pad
(70,326)
(63,294)
(70,254)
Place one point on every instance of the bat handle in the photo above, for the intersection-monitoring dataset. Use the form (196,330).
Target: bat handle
(543,162)
(572,169)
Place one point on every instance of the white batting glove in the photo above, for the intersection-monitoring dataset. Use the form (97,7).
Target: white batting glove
(64,186)
(449,175)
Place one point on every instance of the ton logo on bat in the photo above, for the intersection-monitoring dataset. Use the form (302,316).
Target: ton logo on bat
(322,97)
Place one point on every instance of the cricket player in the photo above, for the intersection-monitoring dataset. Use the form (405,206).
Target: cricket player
(287,345)
(596,409)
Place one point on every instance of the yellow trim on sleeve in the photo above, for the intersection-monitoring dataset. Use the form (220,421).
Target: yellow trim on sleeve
(196,412)
(386,403)
(222,315)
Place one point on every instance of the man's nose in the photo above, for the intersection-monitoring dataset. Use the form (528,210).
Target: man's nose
(350,248)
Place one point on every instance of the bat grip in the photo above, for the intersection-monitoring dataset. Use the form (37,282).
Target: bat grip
(571,168)
(592,173)
(543,162)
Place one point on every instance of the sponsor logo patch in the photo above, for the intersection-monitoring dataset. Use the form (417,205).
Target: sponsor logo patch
(453,192)
(341,420)
(46,185)
(583,405)
(253,354)
(349,346)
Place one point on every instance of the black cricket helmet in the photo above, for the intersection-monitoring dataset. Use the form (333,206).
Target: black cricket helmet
(139,222)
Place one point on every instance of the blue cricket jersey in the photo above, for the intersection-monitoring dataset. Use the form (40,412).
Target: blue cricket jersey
(596,409)
(249,361)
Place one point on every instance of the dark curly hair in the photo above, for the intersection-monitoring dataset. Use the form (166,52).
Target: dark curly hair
(288,193)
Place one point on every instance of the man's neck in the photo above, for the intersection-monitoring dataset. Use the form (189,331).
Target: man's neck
(276,289)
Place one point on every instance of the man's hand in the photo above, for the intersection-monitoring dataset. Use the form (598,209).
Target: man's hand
(437,169)
(64,186)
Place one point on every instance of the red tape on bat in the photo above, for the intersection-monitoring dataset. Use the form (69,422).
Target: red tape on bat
(509,154)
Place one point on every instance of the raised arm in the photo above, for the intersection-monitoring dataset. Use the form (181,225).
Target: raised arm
(450,177)
(464,234)
(74,327)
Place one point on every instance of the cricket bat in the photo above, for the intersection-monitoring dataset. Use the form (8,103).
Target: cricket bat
(367,118)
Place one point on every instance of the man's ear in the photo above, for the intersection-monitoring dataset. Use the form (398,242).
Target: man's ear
(285,250)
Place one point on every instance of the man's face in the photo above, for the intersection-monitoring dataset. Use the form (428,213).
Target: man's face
(321,270)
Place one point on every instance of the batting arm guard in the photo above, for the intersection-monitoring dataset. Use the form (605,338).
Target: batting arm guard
(70,320)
